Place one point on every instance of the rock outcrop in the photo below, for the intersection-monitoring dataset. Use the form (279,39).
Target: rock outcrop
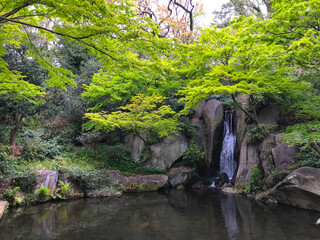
(3,208)
(301,188)
(139,183)
(213,121)
(165,153)
(136,145)
(283,155)
(182,176)
(47,178)
(146,183)
(208,117)
(244,100)
(249,158)
(269,155)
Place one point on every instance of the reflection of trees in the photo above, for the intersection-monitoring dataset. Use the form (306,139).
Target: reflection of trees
(177,215)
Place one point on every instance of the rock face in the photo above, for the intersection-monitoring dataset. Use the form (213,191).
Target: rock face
(249,158)
(283,155)
(244,100)
(3,208)
(266,157)
(301,188)
(270,114)
(136,145)
(165,153)
(75,189)
(208,117)
(213,121)
(182,176)
(269,155)
(48,178)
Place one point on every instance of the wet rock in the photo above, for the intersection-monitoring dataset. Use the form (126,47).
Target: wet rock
(180,188)
(3,208)
(223,179)
(48,178)
(301,188)
(199,185)
(283,155)
(165,153)
(229,190)
(182,176)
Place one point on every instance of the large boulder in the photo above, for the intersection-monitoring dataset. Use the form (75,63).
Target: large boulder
(47,178)
(266,157)
(301,188)
(146,183)
(213,121)
(165,153)
(198,112)
(139,183)
(244,100)
(199,133)
(283,155)
(182,176)
(135,144)
(249,158)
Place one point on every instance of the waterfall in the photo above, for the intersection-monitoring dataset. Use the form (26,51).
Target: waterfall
(227,162)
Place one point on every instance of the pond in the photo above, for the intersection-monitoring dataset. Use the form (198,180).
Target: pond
(170,215)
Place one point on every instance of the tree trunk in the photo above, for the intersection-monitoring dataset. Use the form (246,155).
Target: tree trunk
(254,118)
(13,136)
(316,147)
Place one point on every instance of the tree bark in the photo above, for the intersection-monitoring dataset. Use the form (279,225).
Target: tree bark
(316,147)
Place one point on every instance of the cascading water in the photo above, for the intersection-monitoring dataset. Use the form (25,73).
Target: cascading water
(227,162)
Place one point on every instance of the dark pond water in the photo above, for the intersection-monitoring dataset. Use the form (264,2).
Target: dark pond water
(173,215)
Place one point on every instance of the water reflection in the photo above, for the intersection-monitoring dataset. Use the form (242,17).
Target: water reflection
(173,215)
(228,206)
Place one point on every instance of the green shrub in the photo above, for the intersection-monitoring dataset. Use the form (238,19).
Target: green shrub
(192,156)
(308,157)
(12,195)
(256,133)
(37,146)
(25,179)
(255,180)
(62,190)
(275,177)
(42,192)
